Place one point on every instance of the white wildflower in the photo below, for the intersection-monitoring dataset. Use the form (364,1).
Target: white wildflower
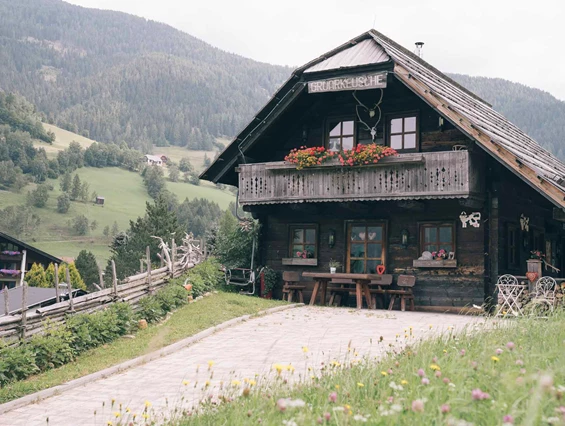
(289,423)
(339,408)
(359,418)
(395,386)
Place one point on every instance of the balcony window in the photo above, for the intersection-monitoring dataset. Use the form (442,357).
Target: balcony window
(341,134)
(403,132)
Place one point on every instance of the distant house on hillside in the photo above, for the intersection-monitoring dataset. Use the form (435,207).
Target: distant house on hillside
(155,160)
(12,259)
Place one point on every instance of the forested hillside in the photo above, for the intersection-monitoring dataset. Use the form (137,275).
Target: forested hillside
(537,113)
(113,76)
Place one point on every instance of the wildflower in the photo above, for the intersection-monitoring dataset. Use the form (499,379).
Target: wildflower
(332,397)
(435,367)
(390,371)
(418,406)
(246,391)
(327,416)
(510,346)
(384,373)
(185,382)
(147,404)
(495,358)
(546,382)
(421,372)
(252,382)
(207,383)
(210,364)
(337,386)
(359,418)
(445,351)
(281,404)
(117,414)
(109,423)
(508,420)
(498,351)
(279,368)
(396,387)
(445,408)
(474,365)
(479,395)
(519,362)
(462,352)
(425,381)
(304,349)
(404,382)
(431,326)
(128,410)
(438,374)
(446,381)
(235,382)
(361,385)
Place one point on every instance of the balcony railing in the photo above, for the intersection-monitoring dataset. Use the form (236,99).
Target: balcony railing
(449,174)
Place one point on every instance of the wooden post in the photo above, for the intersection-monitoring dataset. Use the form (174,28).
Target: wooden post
(24,310)
(140,266)
(114,279)
(205,249)
(162,259)
(23,267)
(57,290)
(70,288)
(493,239)
(6,300)
(101,277)
(173,257)
(148,256)
(201,249)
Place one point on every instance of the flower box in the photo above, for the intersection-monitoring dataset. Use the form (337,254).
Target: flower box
(9,273)
(299,261)
(438,263)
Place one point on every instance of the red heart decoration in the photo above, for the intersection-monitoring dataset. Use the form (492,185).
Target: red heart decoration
(380,269)
(532,276)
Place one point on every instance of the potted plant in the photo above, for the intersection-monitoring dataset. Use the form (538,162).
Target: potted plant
(334,264)
(270,279)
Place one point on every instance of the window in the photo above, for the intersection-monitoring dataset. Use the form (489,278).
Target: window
(437,236)
(366,247)
(341,134)
(403,132)
(304,241)
(512,246)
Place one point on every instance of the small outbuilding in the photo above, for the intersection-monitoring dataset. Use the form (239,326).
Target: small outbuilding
(100,200)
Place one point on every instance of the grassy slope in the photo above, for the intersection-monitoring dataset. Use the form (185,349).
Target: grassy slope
(175,153)
(62,140)
(525,382)
(125,200)
(185,322)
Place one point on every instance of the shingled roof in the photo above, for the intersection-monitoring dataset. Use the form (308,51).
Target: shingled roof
(468,112)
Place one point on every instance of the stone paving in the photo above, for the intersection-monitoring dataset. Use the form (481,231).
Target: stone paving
(238,352)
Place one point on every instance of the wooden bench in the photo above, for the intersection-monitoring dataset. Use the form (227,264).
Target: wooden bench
(291,287)
(405,282)
(344,287)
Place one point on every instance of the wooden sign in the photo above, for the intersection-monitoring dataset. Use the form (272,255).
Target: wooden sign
(356,82)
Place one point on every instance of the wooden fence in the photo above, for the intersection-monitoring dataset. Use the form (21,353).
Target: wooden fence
(24,323)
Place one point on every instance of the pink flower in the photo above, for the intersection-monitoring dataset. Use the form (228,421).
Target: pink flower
(560,410)
(327,417)
(390,371)
(519,362)
(418,406)
(462,353)
(474,365)
(508,419)
(510,345)
(390,399)
(281,404)
(438,374)
(332,397)
(446,381)
(421,372)
(425,381)
(434,359)
(479,395)
(445,408)
(499,351)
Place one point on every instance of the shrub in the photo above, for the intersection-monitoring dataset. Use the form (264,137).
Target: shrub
(150,309)
(63,203)
(171,297)
(53,348)
(17,363)
(80,224)
(39,196)
(205,276)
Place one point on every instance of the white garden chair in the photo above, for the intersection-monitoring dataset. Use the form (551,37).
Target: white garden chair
(510,292)
(544,293)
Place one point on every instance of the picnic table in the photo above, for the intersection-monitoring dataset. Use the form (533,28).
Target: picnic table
(362,285)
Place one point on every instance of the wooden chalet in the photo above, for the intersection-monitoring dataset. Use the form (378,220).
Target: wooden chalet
(16,255)
(465,180)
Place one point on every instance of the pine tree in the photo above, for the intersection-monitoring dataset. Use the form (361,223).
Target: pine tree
(50,275)
(88,268)
(35,277)
(76,189)
(76,280)
(66,182)
(115,229)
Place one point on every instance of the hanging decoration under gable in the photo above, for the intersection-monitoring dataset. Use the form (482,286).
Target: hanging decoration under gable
(474,219)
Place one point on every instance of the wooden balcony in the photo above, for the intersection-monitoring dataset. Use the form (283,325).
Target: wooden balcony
(433,175)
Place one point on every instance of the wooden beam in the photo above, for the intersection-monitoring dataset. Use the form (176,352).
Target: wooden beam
(412,205)
(497,151)
(559,214)
(473,203)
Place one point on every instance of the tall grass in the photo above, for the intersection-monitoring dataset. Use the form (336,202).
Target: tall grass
(511,372)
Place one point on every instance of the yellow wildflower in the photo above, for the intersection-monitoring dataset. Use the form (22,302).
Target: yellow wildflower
(404,382)
(361,385)
(278,367)
(235,382)
(109,423)
(185,382)
(445,351)
(127,410)
(435,367)
(495,358)
(145,416)
(337,386)
(252,382)
(207,383)
(431,326)
(117,414)
(147,404)
(304,349)
(384,373)
(210,364)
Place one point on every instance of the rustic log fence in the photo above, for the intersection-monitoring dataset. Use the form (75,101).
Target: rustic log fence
(25,323)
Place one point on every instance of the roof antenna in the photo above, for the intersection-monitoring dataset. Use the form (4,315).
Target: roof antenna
(419,47)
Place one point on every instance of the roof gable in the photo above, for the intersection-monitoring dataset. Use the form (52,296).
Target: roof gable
(363,53)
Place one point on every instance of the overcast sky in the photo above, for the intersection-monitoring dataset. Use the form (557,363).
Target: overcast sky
(522,41)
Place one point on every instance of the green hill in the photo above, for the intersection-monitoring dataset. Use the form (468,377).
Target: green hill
(125,198)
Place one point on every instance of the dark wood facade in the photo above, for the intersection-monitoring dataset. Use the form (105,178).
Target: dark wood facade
(414,200)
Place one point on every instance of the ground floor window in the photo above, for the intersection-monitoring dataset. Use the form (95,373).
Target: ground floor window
(366,247)
(304,241)
(435,236)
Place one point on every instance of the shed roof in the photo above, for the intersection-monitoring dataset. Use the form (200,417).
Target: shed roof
(36,297)
(472,115)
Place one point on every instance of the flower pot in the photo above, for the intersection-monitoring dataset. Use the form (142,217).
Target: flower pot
(332,270)
(268,295)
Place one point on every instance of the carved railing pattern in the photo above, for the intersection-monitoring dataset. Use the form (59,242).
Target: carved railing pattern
(407,176)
